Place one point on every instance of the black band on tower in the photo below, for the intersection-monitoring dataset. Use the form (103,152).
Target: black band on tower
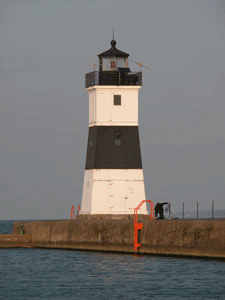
(113,147)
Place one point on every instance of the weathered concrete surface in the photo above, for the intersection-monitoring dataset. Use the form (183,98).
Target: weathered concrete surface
(83,234)
(15,241)
(188,238)
(200,238)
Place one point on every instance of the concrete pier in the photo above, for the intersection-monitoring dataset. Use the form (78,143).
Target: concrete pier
(15,241)
(184,238)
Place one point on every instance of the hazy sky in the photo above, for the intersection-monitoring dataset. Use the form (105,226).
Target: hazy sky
(44,105)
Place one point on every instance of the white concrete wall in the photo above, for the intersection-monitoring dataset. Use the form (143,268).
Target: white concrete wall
(113,191)
(102,110)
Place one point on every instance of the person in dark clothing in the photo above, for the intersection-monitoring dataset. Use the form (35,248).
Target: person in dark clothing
(159,210)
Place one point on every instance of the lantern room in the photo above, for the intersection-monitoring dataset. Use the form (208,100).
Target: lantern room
(113,59)
(113,70)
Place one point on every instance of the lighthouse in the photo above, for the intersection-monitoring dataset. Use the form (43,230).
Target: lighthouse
(113,178)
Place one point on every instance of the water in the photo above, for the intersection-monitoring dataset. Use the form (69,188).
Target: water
(59,274)
(6,227)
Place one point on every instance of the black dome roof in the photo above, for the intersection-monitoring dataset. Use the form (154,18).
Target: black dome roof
(113,51)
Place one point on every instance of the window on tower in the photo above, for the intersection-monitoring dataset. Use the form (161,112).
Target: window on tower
(117,100)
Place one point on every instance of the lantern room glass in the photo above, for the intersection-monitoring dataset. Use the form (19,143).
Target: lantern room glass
(113,63)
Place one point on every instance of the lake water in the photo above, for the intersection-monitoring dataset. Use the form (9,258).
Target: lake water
(59,274)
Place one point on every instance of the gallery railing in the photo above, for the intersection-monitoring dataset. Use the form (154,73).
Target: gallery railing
(112,78)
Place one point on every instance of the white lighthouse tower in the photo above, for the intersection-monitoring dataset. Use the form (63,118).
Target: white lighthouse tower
(113,179)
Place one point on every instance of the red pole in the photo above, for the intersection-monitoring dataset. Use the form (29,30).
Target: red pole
(78,210)
(72,213)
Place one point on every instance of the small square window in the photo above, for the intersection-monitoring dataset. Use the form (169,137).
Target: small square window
(117,99)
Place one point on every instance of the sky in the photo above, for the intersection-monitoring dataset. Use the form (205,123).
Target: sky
(45,49)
